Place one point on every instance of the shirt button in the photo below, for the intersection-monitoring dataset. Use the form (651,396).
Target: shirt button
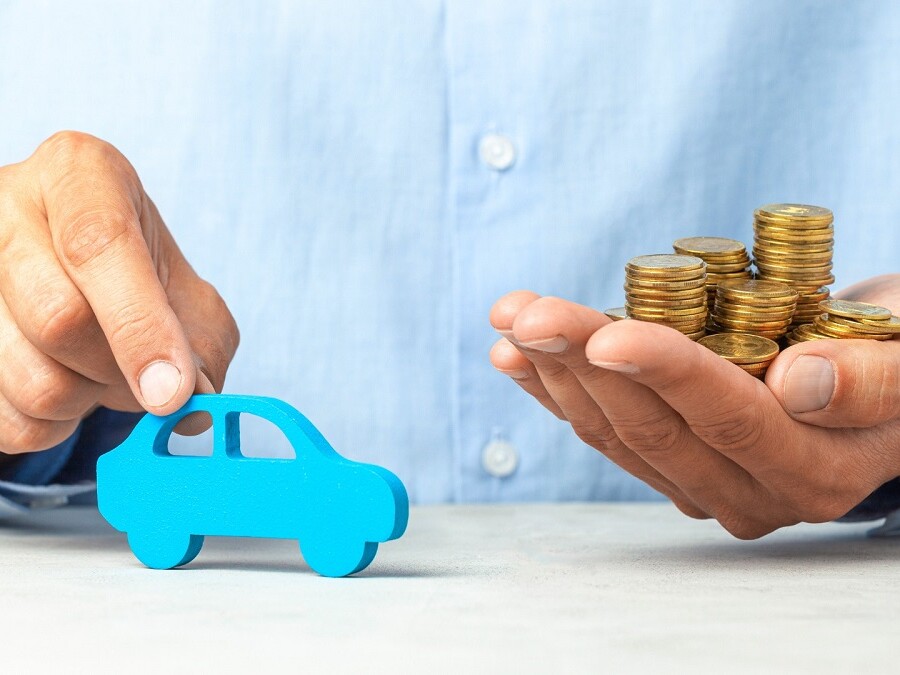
(500,458)
(497,151)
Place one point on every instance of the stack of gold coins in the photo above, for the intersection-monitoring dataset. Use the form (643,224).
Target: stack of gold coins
(616,313)
(804,333)
(793,244)
(725,259)
(751,352)
(667,289)
(856,320)
(758,307)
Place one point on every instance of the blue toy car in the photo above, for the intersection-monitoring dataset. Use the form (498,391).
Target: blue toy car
(338,509)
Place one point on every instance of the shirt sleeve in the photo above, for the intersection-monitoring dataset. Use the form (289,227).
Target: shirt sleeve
(880,504)
(66,473)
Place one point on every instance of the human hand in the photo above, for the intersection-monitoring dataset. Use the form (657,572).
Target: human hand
(715,440)
(97,304)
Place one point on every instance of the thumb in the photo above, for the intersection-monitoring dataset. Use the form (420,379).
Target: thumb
(839,383)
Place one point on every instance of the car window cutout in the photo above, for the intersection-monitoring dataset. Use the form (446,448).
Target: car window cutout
(193,445)
(263,438)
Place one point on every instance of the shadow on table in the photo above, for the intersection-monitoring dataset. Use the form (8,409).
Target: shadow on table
(83,530)
(838,548)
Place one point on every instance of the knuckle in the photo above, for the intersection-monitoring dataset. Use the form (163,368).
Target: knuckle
(214,359)
(44,395)
(552,372)
(95,233)
(60,319)
(689,509)
(654,431)
(68,148)
(28,435)
(825,497)
(66,144)
(878,375)
(745,526)
(732,431)
(229,332)
(596,434)
(134,331)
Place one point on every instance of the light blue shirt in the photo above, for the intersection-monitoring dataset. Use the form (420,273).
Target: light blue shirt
(319,163)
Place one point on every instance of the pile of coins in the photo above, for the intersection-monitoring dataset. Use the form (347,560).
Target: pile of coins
(725,259)
(706,286)
(668,289)
(794,244)
(751,352)
(753,306)
(843,319)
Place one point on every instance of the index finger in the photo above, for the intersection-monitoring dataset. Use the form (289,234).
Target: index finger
(103,235)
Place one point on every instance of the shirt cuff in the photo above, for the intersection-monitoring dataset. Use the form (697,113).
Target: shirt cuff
(66,473)
(880,504)
(39,468)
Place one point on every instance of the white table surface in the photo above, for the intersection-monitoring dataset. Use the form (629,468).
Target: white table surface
(513,588)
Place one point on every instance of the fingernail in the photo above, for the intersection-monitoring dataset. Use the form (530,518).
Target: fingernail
(554,345)
(516,374)
(809,384)
(618,366)
(159,382)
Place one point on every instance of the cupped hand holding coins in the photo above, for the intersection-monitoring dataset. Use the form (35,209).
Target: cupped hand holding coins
(685,408)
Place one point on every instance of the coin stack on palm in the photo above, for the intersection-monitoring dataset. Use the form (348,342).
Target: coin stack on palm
(751,352)
(844,319)
(725,259)
(794,244)
(753,306)
(668,289)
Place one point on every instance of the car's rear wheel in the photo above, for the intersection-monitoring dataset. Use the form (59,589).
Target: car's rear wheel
(335,557)
(163,550)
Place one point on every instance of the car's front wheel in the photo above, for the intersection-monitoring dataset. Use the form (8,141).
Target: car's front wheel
(336,557)
(163,550)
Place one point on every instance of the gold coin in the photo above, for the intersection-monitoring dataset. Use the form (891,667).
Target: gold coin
(638,301)
(751,305)
(616,313)
(709,246)
(756,289)
(665,284)
(826,327)
(698,315)
(800,273)
(664,265)
(733,268)
(819,294)
(892,324)
(778,248)
(666,293)
(666,312)
(783,236)
(684,326)
(714,278)
(753,326)
(872,327)
(799,284)
(808,332)
(792,229)
(793,213)
(795,263)
(854,310)
(754,368)
(748,315)
(806,234)
(741,348)
(697,334)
